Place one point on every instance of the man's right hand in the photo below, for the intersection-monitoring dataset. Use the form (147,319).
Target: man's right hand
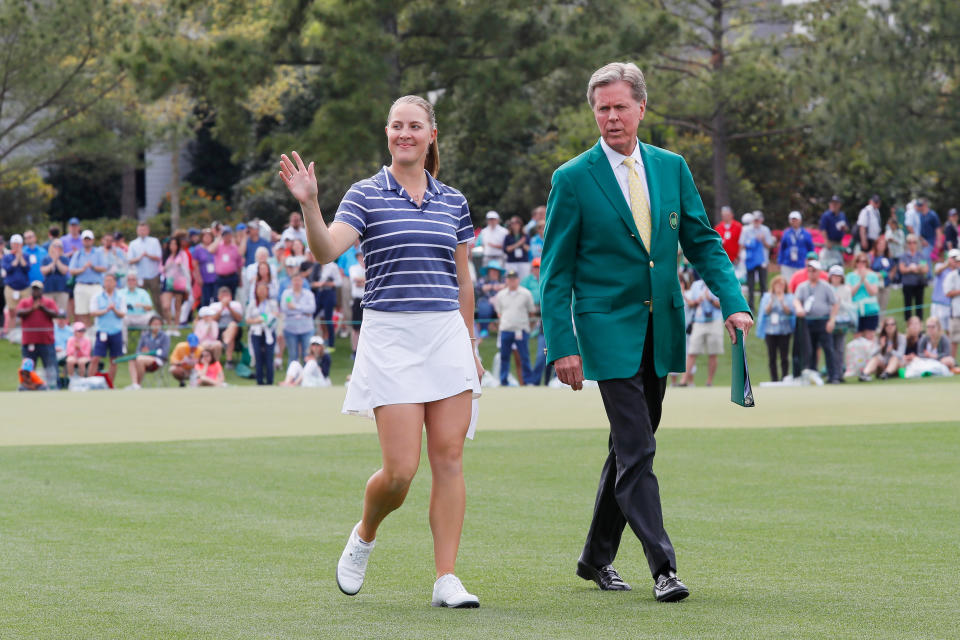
(570,371)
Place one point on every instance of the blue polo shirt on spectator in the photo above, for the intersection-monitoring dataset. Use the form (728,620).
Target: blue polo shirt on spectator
(348,259)
(249,256)
(55,282)
(829,222)
(794,247)
(35,256)
(17,277)
(109,323)
(929,223)
(94,257)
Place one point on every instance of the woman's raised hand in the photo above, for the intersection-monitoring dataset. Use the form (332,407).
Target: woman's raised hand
(300,179)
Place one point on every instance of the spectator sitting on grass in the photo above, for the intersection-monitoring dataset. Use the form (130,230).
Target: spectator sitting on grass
(934,345)
(207,372)
(139,306)
(78,351)
(108,308)
(36,314)
(207,331)
(316,370)
(152,351)
(888,357)
(229,313)
(912,338)
(183,358)
(29,380)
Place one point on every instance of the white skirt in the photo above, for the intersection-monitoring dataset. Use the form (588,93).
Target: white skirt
(411,358)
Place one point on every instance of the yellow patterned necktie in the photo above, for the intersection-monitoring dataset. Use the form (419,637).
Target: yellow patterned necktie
(639,206)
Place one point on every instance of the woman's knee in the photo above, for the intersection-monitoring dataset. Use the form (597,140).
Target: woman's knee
(446,460)
(399,477)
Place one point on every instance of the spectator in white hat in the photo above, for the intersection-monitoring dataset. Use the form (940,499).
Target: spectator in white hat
(87,266)
(794,246)
(16,284)
(315,372)
(846,318)
(816,302)
(207,330)
(492,238)
(79,349)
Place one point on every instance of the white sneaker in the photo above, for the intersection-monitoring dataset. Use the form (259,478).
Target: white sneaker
(133,387)
(353,563)
(448,591)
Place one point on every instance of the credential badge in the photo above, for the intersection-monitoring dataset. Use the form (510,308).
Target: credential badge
(674,220)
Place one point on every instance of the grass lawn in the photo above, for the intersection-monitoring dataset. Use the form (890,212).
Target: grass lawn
(845,531)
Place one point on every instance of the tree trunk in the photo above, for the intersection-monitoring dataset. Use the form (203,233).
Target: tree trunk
(175,184)
(128,193)
(721,181)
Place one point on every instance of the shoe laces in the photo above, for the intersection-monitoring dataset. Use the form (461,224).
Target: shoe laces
(666,580)
(359,553)
(452,582)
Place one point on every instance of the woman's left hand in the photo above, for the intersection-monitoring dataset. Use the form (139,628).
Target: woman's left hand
(476,360)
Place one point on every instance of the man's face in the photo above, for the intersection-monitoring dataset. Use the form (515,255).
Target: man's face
(834,206)
(36,292)
(227,238)
(254,232)
(795,223)
(16,247)
(923,207)
(513,282)
(618,115)
(813,274)
(492,222)
(29,238)
(726,215)
(107,241)
(74,230)
(88,243)
(535,271)
(143,230)
(493,275)
(109,282)
(132,281)
(295,220)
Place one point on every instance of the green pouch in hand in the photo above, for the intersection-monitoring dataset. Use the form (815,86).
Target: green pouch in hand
(741,392)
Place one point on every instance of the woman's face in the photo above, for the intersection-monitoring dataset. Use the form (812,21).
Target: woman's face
(409,134)
(206,358)
(174,246)
(912,246)
(263,271)
(890,327)
(933,330)
(298,248)
(881,245)
(207,237)
(914,325)
(778,287)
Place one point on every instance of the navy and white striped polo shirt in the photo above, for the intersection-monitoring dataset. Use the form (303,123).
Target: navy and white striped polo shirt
(408,250)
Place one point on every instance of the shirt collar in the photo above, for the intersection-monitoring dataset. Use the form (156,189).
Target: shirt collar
(385,180)
(616,158)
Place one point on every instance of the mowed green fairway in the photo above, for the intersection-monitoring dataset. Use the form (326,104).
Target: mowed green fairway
(841,531)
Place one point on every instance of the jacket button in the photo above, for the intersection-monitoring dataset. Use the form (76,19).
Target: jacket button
(651,264)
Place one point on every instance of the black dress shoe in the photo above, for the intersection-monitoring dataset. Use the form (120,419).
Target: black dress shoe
(668,588)
(606,577)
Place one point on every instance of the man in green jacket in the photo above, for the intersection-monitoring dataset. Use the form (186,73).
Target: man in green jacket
(615,217)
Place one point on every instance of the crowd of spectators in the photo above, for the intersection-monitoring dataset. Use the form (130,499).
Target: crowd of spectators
(246,296)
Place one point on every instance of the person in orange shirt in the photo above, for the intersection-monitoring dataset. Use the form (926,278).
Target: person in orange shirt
(29,380)
(208,370)
(183,359)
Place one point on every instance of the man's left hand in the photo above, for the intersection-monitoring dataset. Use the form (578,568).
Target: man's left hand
(739,320)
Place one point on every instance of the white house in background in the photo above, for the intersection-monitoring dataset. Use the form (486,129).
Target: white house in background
(156,178)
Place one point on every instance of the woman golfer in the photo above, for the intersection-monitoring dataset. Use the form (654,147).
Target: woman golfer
(415,364)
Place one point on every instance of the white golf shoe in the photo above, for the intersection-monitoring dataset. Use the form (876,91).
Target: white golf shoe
(448,591)
(353,563)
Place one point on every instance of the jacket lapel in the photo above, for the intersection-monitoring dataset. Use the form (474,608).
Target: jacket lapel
(651,166)
(603,174)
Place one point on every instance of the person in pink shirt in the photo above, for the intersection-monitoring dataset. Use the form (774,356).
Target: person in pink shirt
(207,331)
(78,351)
(227,262)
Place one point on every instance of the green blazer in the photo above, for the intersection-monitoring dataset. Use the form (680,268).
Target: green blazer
(595,264)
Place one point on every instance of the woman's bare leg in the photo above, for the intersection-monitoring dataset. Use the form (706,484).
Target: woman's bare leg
(447,421)
(400,427)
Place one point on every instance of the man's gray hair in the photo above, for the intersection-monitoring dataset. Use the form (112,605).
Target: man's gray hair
(616,72)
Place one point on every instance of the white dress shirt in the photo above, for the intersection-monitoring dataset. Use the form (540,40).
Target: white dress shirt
(620,170)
